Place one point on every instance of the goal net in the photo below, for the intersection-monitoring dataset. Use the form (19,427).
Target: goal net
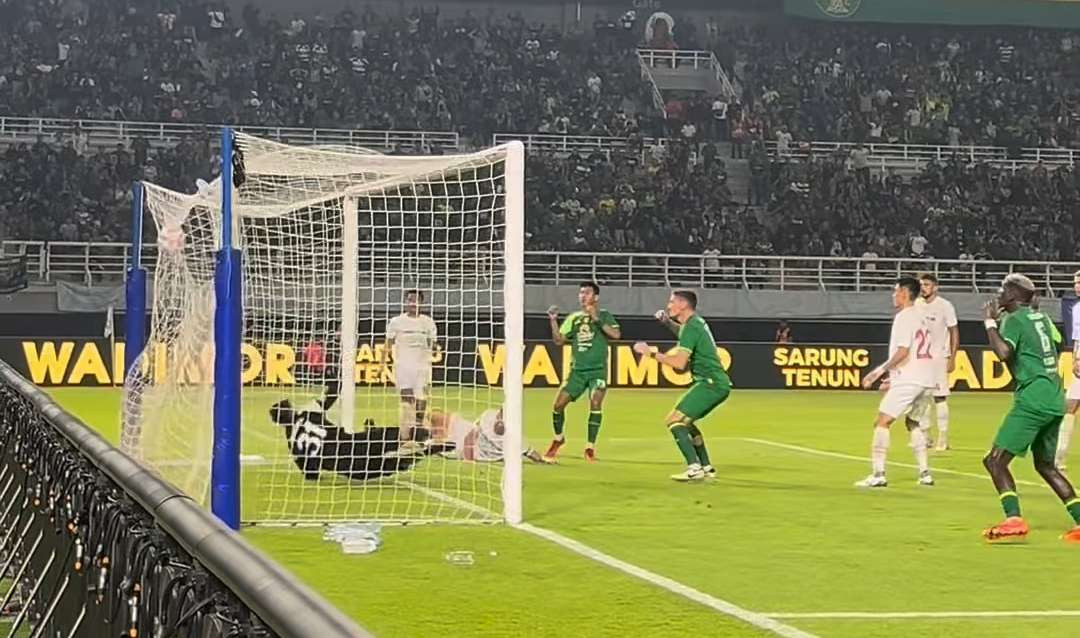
(331,239)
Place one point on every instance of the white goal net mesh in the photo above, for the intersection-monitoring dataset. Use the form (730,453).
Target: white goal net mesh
(332,240)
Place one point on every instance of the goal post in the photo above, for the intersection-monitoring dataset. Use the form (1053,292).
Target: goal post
(271,294)
(513,310)
(228,340)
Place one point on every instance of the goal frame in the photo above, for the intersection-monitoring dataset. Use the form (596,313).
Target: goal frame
(225,479)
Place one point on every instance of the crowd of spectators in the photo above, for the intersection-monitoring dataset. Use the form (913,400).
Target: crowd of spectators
(192,61)
(915,84)
(672,198)
(64,190)
(949,210)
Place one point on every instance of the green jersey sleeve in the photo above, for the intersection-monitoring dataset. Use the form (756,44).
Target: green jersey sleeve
(608,319)
(567,327)
(688,338)
(1054,333)
(1010,330)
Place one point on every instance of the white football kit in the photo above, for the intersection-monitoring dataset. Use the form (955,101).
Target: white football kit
(477,441)
(940,316)
(414,339)
(912,383)
(1074,387)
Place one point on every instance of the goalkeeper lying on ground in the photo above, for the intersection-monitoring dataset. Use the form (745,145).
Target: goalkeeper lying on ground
(317,444)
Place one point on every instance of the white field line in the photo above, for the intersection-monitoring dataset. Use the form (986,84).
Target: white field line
(903,615)
(728,609)
(863,459)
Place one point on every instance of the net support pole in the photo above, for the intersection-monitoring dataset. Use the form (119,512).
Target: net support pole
(350,254)
(134,301)
(514,327)
(228,317)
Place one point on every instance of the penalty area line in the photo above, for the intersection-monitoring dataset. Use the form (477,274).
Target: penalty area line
(903,615)
(760,621)
(863,459)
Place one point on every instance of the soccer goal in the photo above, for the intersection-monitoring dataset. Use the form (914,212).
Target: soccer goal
(277,281)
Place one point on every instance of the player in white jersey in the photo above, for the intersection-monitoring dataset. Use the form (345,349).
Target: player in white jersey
(940,315)
(411,336)
(1072,397)
(480,440)
(910,383)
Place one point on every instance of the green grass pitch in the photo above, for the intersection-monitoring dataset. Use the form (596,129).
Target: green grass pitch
(781,531)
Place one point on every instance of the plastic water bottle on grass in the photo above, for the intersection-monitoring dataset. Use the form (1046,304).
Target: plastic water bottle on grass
(461,558)
(355,538)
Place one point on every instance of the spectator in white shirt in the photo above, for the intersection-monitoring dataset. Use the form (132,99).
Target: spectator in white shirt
(719,119)
(918,245)
(783,143)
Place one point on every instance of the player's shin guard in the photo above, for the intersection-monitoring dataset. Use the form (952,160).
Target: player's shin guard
(699,444)
(879,449)
(595,418)
(918,445)
(557,421)
(1064,437)
(681,433)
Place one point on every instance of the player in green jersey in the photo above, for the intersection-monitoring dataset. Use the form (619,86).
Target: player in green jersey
(696,349)
(1025,341)
(587,331)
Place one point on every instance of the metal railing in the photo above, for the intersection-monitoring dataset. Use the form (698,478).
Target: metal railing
(654,90)
(722,78)
(677,59)
(567,143)
(772,272)
(96,545)
(107,133)
(916,156)
(97,263)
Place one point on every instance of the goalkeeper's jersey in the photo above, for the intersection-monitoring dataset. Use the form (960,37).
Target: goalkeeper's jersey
(316,444)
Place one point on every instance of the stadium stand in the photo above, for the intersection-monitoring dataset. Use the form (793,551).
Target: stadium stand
(1002,86)
(949,117)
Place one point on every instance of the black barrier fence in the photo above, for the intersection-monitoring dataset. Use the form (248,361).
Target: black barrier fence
(92,544)
(466,361)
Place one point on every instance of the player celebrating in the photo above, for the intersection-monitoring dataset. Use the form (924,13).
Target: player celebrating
(317,444)
(697,349)
(909,387)
(940,315)
(1073,397)
(411,336)
(1025,342)
(587,331)
(480,440)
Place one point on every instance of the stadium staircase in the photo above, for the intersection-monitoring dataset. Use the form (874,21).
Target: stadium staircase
(678,70)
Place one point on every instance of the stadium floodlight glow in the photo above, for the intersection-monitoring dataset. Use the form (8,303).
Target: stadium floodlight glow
(313,251)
